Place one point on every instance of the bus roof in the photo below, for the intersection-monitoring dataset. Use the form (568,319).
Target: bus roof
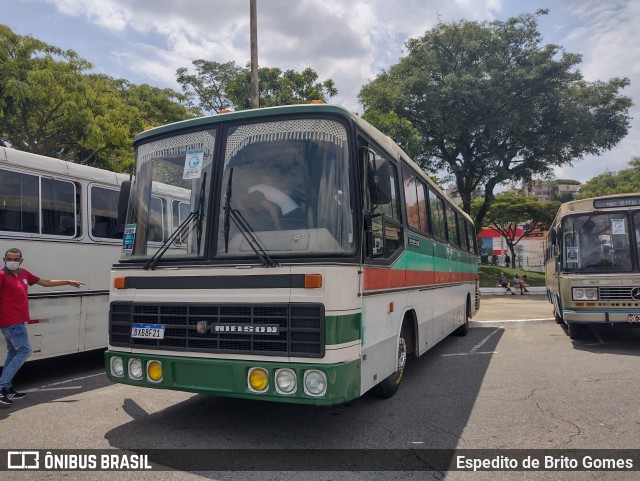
(53,166)
(615,201)
(380,138)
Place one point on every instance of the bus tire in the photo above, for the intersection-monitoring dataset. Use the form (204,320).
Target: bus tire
(558,317)
(574,331)
(464,328)
(390,385)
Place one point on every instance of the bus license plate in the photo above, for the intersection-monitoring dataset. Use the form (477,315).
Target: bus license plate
(634,318)
(147,331)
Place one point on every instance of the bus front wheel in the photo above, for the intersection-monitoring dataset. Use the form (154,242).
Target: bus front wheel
(575,330)
(390,385)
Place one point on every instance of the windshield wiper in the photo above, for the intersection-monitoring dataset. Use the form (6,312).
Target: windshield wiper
(182,228)
(243,226)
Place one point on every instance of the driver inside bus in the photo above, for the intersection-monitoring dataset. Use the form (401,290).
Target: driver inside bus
(590,246)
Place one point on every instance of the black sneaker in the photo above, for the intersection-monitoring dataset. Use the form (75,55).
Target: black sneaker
(4,399)
(10,394)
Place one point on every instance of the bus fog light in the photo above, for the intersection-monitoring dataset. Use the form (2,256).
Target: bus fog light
(154,371)
(258,379)
(315,383)
(117,366)
(135,369)
(285,381)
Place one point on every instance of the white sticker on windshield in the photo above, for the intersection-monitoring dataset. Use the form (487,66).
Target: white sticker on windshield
(193,164)
(618,226)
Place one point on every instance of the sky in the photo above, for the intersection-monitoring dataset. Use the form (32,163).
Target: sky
(349,41)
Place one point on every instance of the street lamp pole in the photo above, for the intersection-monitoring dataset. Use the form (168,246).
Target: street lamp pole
(255,99)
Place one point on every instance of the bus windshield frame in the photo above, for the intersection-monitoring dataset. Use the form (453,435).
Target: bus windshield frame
(291,193)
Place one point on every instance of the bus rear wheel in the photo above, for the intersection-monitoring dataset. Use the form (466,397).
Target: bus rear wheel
(464,328)
(390,385)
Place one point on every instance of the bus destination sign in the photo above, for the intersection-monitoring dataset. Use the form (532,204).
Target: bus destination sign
(616,202)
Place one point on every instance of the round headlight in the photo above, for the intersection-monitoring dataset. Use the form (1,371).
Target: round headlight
(578,293)
(315,383)
(591,293)
(285,381)
(117,367)
(154,371)
(135,369)
(258,379)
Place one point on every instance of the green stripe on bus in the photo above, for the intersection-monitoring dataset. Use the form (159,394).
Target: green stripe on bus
(341,329)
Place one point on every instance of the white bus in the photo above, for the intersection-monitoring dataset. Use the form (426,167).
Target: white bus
(592,269)
(63,217)
(316,258)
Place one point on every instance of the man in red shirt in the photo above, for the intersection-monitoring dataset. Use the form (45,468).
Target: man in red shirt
(14,316)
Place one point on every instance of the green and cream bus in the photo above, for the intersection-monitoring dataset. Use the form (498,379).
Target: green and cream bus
(592,263)
(314,259)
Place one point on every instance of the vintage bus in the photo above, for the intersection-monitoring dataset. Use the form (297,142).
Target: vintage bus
(592,269)
(315,257)
(63,217)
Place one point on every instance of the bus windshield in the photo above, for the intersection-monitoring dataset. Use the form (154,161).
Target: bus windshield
(597,242)
(288,183)
(279,188)
(170,170)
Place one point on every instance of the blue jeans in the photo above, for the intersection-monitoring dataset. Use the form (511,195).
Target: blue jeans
(18,351)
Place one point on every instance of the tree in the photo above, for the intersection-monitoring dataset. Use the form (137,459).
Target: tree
(625,181)
(491,104)
(509,211)
(49,105)
(43,95)
(217,86)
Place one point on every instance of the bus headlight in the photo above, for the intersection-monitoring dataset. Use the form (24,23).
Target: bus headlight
(585,293)
(315,383)
(154,371)
(285,381)
(117,366)
(135,369)
(258,379)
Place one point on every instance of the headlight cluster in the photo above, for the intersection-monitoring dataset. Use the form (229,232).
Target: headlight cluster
(136,369)
(585,294)
(286,381)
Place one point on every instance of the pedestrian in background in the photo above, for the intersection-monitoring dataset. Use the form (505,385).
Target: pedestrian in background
(14,316)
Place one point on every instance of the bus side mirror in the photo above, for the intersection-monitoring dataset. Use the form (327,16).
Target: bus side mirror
(123,201)
(379,180)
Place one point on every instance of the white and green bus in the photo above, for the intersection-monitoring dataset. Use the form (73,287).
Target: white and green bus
(591,263)
(315,257)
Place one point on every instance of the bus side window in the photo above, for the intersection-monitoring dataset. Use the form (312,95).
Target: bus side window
(385,221)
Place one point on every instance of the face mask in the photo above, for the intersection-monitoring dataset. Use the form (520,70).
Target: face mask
(12,265)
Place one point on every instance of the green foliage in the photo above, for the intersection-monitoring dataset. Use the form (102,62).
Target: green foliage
(51,106)
(217,86)
(491,104)
(626,181)
(490,274)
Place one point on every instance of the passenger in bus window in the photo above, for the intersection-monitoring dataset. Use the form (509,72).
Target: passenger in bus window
(590,246)
(14,315)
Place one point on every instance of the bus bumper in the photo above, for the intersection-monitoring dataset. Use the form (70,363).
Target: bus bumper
(229,378)
(571,316)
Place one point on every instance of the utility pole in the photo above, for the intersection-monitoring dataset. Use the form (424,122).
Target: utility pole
(255,99)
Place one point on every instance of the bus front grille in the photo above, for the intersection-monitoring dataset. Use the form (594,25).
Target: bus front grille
(294,329)
(619,293)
